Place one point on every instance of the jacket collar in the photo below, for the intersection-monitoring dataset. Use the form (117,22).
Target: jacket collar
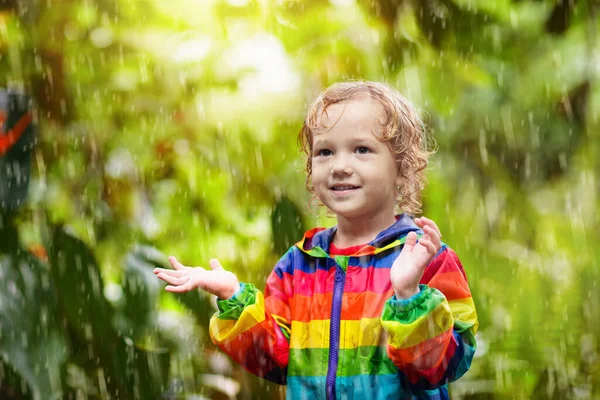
(317,240)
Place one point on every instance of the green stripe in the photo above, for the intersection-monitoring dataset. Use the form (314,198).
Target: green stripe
(409,311)
(394,244)
(231,309)
(316,252)
(364,360)
(342,261)
(461,326)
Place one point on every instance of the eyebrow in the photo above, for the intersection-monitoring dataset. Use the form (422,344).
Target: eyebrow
(322,142)
(327,142)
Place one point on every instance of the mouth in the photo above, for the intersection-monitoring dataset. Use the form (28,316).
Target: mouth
(342,188)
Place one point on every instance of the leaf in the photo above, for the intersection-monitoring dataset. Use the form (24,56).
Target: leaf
(286,224)
(127,370)
(141,289)
(80,288)
(32,340)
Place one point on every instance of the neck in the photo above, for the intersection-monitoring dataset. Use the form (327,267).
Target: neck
(355,231)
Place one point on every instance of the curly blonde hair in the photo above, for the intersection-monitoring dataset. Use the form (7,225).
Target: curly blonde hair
(403,131)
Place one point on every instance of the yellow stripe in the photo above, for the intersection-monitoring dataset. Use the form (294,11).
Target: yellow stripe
(222,330)
(430,325)
(464,310)
(364,332)
(353,333)
(283,323)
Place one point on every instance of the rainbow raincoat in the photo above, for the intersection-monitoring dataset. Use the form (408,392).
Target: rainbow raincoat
(331,327)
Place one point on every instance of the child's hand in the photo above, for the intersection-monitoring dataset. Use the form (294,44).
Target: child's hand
(408,268)
(221,283)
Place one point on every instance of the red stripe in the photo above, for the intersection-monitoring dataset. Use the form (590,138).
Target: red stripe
(11,137)
(376,280)
(452,284)
(447,261)
(249,348)
(358,279)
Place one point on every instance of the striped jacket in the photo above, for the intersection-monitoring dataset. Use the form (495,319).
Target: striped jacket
(331,327)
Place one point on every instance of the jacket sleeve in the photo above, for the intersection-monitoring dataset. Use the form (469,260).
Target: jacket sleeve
(431,336)
(253,329)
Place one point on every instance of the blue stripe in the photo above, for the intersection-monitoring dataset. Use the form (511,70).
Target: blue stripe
(371,387)
(358,387)
(305,387)
(436,394)
(300,261)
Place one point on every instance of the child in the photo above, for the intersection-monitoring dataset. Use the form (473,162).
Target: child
(362,310)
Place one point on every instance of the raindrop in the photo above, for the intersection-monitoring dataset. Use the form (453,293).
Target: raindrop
(101,37)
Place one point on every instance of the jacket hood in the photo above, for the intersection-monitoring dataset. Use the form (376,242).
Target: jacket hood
(317,240)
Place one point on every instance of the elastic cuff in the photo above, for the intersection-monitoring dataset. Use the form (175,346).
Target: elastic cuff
(243,297)
(236,294)
(405,305)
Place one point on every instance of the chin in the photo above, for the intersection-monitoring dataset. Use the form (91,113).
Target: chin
(348,214)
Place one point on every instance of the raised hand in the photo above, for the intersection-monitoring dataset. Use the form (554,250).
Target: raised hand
(221,283)
(408,268)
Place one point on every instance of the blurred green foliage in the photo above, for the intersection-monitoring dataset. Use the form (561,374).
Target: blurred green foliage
(173,125)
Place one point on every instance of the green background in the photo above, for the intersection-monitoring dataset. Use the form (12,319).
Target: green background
(169,128)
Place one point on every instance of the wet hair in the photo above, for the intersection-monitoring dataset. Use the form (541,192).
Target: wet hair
(402,129)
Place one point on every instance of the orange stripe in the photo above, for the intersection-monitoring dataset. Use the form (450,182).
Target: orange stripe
(11,137)
(354,306)
(408,355)
(363,305)
(366,250)
(276,306)
(413,360)
(307,308)
(452,284)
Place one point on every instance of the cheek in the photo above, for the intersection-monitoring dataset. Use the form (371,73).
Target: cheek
(318,171)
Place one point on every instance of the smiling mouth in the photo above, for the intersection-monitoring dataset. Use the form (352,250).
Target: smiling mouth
(342,188)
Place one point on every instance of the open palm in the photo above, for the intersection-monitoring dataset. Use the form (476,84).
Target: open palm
(408,268)
(216,280)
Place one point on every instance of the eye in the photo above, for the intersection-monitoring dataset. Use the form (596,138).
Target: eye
(324,152)
(362,150)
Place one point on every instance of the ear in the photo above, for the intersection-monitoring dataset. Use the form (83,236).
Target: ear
(399,180)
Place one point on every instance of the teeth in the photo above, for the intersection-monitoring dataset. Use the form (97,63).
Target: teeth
(344,187)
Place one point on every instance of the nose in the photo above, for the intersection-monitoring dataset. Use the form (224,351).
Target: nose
(341,165)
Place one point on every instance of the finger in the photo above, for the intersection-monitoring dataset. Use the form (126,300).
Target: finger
(419,222)
(171,272)
(173,280)
(429,222)
(215,264)
(428,245)
(178,289)
(411,240)
(176,264)
(433,236)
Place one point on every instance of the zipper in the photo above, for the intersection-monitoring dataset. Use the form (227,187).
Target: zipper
(334,331)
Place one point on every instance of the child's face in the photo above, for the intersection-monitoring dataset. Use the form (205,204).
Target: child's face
(353,173)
